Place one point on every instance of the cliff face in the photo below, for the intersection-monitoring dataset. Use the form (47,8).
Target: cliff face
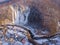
(44,18)
(5,15)
(44,14)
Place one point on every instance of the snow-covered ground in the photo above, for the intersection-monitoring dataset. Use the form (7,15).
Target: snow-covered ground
(15,37)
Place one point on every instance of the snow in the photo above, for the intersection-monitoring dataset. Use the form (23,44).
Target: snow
(2,0)
(18,36)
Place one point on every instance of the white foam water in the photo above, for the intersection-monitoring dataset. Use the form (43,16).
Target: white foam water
(22,17)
